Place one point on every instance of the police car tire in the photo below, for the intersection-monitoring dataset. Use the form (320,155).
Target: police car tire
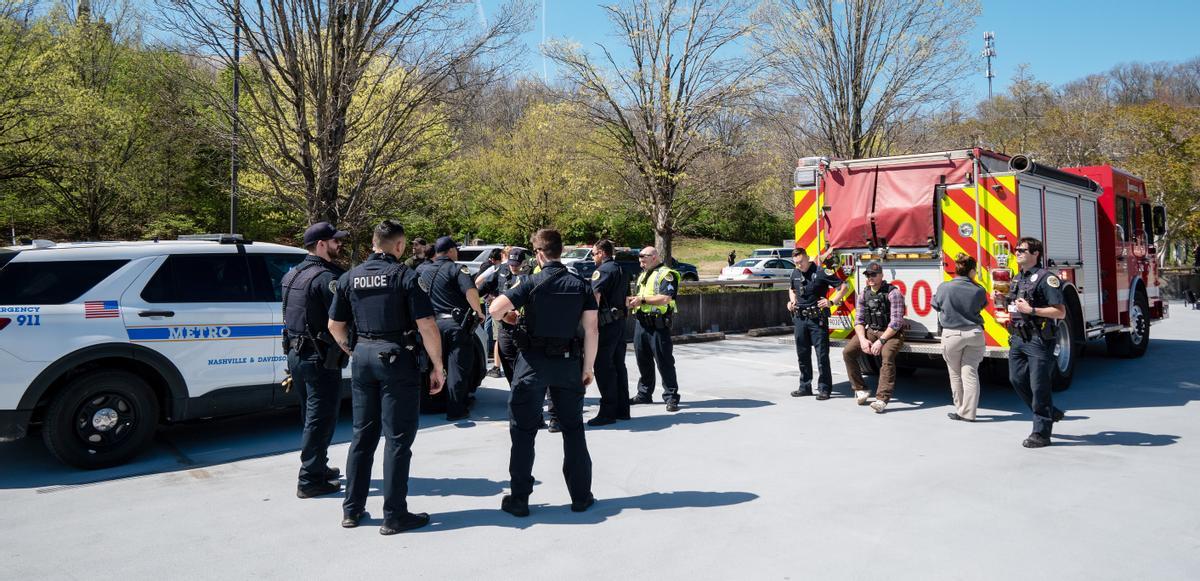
(136,403)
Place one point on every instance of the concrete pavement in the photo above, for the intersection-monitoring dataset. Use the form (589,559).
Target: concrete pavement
(743,482)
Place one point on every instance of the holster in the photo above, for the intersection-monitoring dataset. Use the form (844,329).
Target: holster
(331,354)
(610,315)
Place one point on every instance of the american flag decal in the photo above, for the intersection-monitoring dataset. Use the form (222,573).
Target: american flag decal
(101,310)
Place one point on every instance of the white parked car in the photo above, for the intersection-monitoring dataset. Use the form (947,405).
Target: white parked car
(757,268)
(784,253)
(101,342)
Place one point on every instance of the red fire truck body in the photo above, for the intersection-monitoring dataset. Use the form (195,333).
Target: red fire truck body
(913,214)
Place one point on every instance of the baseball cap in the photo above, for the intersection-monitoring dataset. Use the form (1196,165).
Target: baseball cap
(444,244)
(873,268)
(514,257)
(323,231)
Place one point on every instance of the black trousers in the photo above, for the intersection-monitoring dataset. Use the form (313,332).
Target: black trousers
(1030,365)
(508,352)
(319,390)
(654,346)
(813,334)
(611,376)
(387,399)
(459,358)
(534,376)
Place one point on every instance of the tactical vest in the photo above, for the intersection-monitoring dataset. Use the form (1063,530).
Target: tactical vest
(648,286)
(444,273)
(877,307)
(378,300)
(295,299)
(1027,288)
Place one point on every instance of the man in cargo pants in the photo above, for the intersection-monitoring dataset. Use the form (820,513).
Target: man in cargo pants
(878,331)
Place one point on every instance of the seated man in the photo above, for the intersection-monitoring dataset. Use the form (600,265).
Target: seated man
(878,330)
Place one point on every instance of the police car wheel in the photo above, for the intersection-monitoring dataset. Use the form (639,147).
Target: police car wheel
(101,419)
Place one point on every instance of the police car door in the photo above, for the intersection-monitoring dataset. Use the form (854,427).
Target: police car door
(199,310)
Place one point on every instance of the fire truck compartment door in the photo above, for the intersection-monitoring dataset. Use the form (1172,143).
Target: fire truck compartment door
(899,198)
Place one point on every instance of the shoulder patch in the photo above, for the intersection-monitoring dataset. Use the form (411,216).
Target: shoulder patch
(423,284)
(333,286)
(1052,281)
(1033,278)
(465,271)
(829,271)
(596,275)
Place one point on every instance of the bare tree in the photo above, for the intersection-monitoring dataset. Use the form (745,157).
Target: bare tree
(340,97)
(864,68)
(659,112)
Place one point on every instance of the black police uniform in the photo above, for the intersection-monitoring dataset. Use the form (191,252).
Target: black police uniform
(550,358)
(504,281)
(612,378)
(314,360)
(448,284)
(383,298)
(652,344)
(1031,343)
(812,325)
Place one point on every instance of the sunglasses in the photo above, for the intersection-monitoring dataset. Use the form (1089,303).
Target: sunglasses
(1021,250)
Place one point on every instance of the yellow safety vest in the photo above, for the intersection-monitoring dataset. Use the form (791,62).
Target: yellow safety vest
(648,287)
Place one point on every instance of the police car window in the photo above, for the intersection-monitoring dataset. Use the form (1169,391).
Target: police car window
(52,283)
(577,253)
(7,255)
(201,278)
(268,271)
(468,255)
(777,264)
(748,262)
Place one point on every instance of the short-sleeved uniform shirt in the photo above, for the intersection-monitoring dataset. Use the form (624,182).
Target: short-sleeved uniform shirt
(554,301)
(812,284)
(1047,289)
(317,298)
(380,295)
(611,283)
(448,284)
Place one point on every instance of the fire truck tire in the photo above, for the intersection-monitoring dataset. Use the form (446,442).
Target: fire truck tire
(1132,344)
(1070,346)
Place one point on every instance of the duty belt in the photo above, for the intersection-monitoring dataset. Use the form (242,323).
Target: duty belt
(813,312)
(396,336)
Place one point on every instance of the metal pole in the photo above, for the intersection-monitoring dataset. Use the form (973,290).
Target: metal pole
(989,52)
(233,158)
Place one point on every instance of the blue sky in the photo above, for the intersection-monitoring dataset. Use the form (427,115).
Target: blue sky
(1060,40)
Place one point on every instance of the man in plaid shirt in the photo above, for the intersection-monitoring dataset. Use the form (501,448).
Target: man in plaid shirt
(879,331)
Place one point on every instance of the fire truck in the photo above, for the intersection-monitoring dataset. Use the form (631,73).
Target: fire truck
(915,213)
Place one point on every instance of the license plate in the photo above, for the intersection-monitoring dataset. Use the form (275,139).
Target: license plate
(840,322)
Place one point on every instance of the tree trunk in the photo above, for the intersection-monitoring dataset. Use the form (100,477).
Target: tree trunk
(664,224)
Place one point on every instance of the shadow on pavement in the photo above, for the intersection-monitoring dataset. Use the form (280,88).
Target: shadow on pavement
(604,509)
(1117,439)
(418,486)
(731,403)
(667,420)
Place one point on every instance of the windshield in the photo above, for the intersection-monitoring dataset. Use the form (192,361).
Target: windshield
(468,255)
(749,262)
(578,253)
(765,252)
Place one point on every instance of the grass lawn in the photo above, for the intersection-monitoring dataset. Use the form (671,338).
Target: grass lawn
(710,256)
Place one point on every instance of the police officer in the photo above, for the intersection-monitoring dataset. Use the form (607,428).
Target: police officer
(810,314)
(457,311)
(420,254)
(384,301)
(315,361)
(510,275)
(1034,304)
(611,287)
(553,356)
(654,306)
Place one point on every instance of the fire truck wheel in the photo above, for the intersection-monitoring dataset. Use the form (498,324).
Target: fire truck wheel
(1133,343)
(1070,345)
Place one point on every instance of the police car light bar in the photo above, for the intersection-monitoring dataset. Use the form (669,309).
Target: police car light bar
(221,238)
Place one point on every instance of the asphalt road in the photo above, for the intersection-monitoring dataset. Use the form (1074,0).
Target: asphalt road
(743,482)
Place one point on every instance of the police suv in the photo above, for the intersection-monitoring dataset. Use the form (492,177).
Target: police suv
(101,342)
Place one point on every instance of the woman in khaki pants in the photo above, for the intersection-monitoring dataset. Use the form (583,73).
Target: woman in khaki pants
(958,302)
